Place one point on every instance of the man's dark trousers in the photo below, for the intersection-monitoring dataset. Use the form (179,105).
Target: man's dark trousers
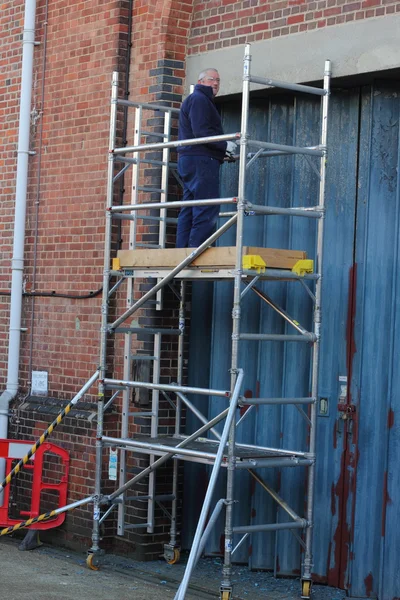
(200,176)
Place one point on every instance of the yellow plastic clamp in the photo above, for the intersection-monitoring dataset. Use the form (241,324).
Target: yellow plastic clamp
(303,266)
(116,264)
(254,262)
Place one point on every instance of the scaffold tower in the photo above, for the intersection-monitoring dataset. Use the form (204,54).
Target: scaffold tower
(242,265)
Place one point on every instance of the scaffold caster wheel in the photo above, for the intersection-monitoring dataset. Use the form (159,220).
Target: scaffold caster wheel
(171,554)
(306,588)
(175,558)
(91,561)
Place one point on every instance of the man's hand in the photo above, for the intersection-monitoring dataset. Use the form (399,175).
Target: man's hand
(231,149)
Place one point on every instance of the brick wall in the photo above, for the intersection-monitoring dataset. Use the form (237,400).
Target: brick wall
(74,115)
(66,198)
(69,135)
(159,39)
(222,23)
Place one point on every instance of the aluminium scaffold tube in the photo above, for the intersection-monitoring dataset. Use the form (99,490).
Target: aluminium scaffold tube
(45,516)
(296,87)
(48,431)
(226,582)
(211,523)
(277,210)
(178,414)
(104,318)
(282,312)
(177,204)
(308,554)
(121,383)
(193,556)
(196,252)
(167,456)
(289,149)
(192,142)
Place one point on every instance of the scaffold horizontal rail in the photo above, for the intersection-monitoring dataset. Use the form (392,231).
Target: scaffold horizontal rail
(312,212)
(158,219)
(301,524)
(166,205)
(121,383)
(207,445)
(312,150)
(153,466)
(179,143)
(145,161)
(147,330)
(147,106)
(278,337)
(146,188)
(158,498)
(136,525)
(211,274)
(125,217)
(272,463)
(274,451)
(154,448)
(261,401)
(282,274)
(295,87)
(153,134)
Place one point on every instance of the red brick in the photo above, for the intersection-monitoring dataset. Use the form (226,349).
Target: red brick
(260,27)
(295,19)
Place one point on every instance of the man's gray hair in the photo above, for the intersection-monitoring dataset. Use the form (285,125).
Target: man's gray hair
(205,71)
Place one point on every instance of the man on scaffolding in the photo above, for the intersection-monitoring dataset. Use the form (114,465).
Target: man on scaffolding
(199,165)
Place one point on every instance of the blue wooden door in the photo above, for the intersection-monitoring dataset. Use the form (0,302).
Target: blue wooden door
(357,515)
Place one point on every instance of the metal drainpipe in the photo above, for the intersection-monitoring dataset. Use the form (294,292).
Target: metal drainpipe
(9,394)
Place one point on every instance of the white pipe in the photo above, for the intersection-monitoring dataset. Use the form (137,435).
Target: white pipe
(28,44)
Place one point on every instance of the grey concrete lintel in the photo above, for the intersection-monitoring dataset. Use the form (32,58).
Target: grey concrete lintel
(354,48)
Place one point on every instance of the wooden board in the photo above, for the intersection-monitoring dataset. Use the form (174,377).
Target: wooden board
(221,257)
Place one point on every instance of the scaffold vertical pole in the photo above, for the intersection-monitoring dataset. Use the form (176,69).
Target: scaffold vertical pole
(171,550)
(308,555)
(104,321)
(130,298)
(226,583)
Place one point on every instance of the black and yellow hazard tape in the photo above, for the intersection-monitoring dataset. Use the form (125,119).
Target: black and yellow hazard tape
(23,524)
(47,516)
(35,446)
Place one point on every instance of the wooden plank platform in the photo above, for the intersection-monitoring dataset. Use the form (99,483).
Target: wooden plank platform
(215,257)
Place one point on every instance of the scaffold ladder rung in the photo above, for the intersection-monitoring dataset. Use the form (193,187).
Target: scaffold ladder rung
(260,401)
(278,337)
(147,330)
(144,188)
(308,89)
